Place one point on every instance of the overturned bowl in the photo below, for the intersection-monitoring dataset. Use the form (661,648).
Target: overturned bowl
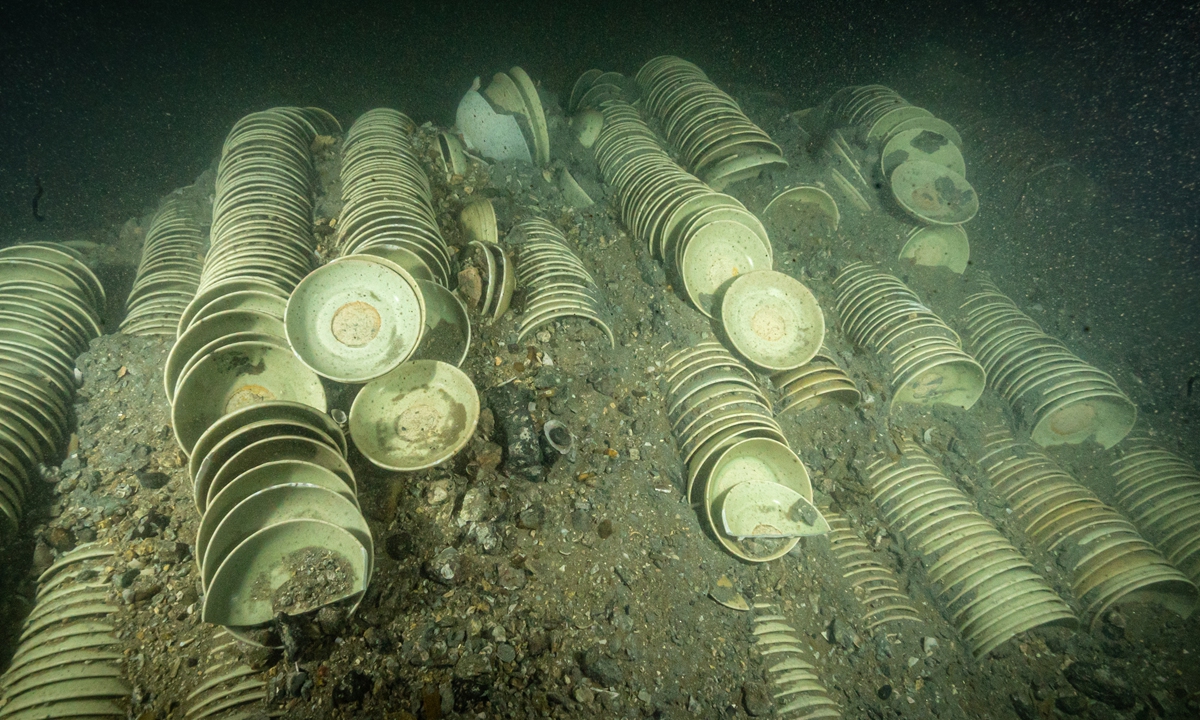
(355,319)
(415,417)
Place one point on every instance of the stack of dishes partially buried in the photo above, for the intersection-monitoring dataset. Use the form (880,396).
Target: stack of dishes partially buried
(876,586)
(920,155)
(168,273)
(714,137)
(755,491)
(387,206)
(497,275)
(813,384)
(880,313)
(1160,492)
(50,306)
(1058,398)
(227,685)
(985,587)
(68,661)
(280,529)
(705,237)
(1108,560)
(556,282)
(232,351)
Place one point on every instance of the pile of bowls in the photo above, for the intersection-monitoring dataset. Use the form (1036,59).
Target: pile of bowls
(815,383)
(794,679)
(262,211)
(1059,398)
(387,200)
(231,350)
(772,320)
(281,529)
(1108,560)
(705,237)
(920,155)
(755,491)
(877,113)
(986,588)
(227,685)
(592,88)
(415,417)
(874,584)
(556,282)
(1160,492)
(50,305)
(880,313)
(168,273)
(713,136)
(68,660)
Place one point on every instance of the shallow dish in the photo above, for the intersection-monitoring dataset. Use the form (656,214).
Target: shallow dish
(416,416)
(355,319)
(933,193)
(772,319)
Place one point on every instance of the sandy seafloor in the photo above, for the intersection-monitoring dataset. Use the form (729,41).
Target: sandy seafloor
(587,595)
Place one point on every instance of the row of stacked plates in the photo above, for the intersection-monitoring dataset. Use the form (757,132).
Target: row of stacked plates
(874,584)
(227,684)
(705,237)
(281,529)
(232,351)
(68,659)
(755,491)
(987,589)
(557,283)
(50,308)
(593,87)
(920,155)
(1059,398)
(881,313)
(713,136)
(168,273)
(387,200)
(815,383)
(878,113)
(1160,492)
(1108,560)
(795,685)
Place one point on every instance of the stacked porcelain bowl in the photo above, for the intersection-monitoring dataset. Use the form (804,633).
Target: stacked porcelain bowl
(880,313)
(50,306)
(168,273)
(232,351)
(1108,560)
(986,588)
(388,202)
(1160,492)
(874,584)
(68,660)
(1059,398)
(280,529)
(755,492)
(498,276)
(713,136)
(506,121)
(815,383)
(920,156)
(557,284)
(704,237)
